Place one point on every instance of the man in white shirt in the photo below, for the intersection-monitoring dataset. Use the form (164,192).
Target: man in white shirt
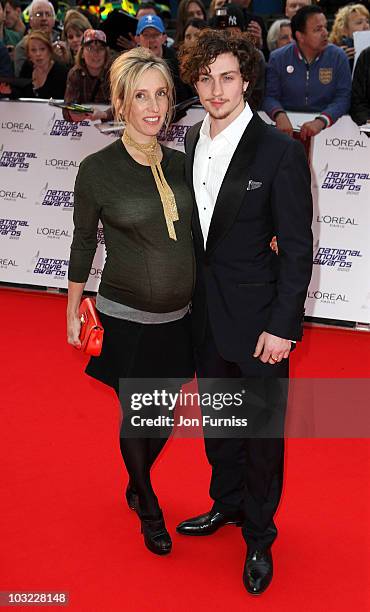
(250,182)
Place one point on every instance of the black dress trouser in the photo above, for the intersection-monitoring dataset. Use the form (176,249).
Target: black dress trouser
(247,473)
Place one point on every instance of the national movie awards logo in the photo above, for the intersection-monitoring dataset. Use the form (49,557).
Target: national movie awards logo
(100,236)
(58,198)
(339,259)
(16,159)
(176,133)
(60,127)
(48,266)
(327,297)
(12,228)
(17,127)
(349,182)
(12,195)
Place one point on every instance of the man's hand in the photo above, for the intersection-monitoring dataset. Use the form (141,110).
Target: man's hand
(274,245)
(95,116)
(126,43)
(311,128)
(61,51)
(5,89)
(349,51)
(255,30)
(271,349)
(283,124)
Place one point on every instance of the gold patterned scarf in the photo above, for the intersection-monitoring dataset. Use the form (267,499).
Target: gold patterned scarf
(165,192)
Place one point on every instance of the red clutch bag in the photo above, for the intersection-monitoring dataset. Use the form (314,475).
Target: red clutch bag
(91,333)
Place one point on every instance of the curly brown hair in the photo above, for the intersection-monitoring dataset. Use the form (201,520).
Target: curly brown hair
(196,59)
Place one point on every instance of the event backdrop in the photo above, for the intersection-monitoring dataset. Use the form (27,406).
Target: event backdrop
(39,158)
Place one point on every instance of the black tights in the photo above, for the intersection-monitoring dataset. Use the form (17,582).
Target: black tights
(139,454)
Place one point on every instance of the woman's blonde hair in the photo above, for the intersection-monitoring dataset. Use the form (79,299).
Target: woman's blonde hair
(126,71)
(42,37)
(341,21)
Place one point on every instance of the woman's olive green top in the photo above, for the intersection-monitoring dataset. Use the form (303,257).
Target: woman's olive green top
(144,268)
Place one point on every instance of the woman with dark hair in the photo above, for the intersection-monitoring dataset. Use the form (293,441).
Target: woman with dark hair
(48,76)
(192,29)
(188,9)
(75,24)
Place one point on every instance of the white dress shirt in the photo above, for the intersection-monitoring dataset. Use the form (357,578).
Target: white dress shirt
(211,161)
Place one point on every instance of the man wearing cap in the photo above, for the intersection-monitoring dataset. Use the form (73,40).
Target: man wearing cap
(151,33)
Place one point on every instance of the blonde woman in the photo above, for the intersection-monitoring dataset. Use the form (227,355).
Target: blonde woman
(349,19)
(136,188)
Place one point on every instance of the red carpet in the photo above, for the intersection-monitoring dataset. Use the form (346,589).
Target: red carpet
(65,527)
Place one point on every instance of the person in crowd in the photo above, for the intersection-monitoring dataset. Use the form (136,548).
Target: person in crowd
(292,6)
(214,5)
(279,34)
(42,17)
(146,8)
(349,19)
(188,9)
(75,24)
(6,68)
(254,26)
(234,20)
(192,29)
(309,75)
(88,80)
(360,103)
(148,276)
(128,42)
(247,306)
(48,76)
(151,34)
(8,37)
(13,16)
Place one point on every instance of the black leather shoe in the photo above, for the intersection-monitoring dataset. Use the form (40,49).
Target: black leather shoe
(156,537)
(208,523)
(132,498)
(258,570)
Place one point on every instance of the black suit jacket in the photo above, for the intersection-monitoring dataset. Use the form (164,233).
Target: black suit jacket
(243,286)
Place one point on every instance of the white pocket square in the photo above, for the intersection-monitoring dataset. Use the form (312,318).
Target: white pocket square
(253,185)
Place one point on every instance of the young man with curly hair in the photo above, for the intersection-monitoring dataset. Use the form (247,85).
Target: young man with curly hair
(249,182)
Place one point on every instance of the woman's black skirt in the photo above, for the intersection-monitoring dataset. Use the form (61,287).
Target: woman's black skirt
(137,350)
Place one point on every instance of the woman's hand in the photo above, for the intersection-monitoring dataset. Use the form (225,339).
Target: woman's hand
(73,330)
(39,77)
(61,51)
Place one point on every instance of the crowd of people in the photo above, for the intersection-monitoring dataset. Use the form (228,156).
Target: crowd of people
(302,65)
